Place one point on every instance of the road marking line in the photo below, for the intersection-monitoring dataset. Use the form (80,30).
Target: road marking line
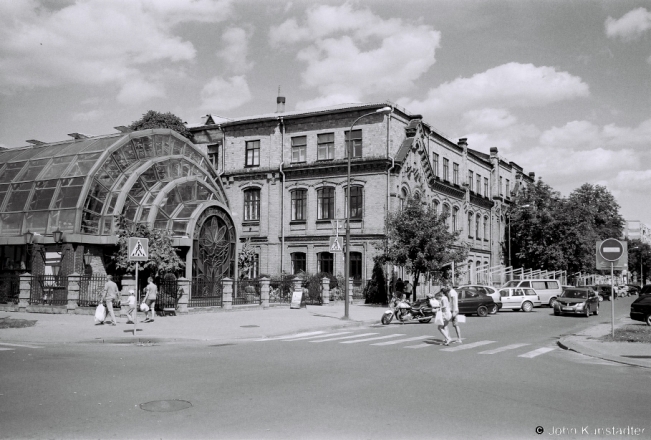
(345,337)
(533,354)
(297,335)
(4,349)
(467,346)
(371,339)
(316,337)
(419,346)
(417,338)
(501,349)
(19,345)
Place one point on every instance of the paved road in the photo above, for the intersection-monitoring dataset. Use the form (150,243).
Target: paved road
(507,378)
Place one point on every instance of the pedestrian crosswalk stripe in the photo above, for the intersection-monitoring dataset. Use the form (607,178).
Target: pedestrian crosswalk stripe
(297,335)
(538,352)
(417,338)
(371,339)
(316,337)
(345,337)
(467,346)
(19,345)
(419,346)
(501,349)
(4,349)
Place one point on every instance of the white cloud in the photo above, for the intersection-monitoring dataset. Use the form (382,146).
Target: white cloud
(488,119)
(91,115)
(630,26)
(97,42)
(138,90)
(506,86)
(353,53)
(225,94)
(234,53)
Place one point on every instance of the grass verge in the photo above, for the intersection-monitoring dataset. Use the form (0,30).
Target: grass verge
(630,333)
(16,323)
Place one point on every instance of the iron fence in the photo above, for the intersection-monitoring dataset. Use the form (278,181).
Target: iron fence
(49,290)
(91,290)
(168,296)
(9,288)
(280,289)
(206,293)
(246,292)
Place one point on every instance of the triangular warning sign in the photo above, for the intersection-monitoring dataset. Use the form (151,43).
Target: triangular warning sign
(335,247)
(138,250)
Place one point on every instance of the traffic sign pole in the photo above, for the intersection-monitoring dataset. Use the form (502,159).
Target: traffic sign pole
(612,299)
(135,318)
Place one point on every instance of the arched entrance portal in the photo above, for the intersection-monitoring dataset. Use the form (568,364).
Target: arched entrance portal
(214,246)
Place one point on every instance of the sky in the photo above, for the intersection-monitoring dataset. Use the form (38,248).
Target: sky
(560,87)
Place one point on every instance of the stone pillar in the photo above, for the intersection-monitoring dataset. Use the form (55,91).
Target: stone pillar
(128,283)
(297,283)
(25,287)
(184,290)
(350,290)
(264,292)
(73,292)
(227,296)
(325,291)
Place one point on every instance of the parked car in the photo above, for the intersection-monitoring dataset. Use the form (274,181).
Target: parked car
(486,290)
(471,302)
(633,289)
(547,289)
(605,291)
(641,309)
(577,300)
(519,298)
(646,290)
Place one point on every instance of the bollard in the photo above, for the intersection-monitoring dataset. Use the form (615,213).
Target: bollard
(264,292)
(184,291)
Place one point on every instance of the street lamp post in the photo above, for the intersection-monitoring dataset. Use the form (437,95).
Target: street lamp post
(384,110)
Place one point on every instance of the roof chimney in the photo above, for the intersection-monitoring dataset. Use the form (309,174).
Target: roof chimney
(493,151)
(463,143)
(532,175)
(280,103)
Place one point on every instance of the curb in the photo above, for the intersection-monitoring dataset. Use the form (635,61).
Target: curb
(565,344)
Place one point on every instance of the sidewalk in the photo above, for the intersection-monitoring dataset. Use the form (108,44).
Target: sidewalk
(222,325)
(588,343)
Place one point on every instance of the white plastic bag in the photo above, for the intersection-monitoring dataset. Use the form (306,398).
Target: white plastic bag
(438,320)
(461,318)
(100,314)
(144,307)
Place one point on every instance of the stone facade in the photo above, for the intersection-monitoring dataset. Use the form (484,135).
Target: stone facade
(401,156)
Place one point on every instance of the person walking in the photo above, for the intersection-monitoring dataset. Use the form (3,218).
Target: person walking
(445,314)
(131,313)
(408,289)
(151,292)
(110,293)
(453,297)
(400,288)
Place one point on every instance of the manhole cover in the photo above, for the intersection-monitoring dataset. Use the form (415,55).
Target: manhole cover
(249,326)
(165,405)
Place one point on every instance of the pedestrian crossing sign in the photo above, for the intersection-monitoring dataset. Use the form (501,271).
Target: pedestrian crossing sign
(138,249)
(335,244)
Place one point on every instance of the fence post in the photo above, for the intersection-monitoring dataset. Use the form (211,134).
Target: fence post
(297,284)
(73,292)
(184,289)
(350,290)
(325,290)
(264,292)
(227,298)
(128,283)
(25,287)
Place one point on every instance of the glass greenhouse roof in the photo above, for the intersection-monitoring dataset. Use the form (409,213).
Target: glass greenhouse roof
(151,176)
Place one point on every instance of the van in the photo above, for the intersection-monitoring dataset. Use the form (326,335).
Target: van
(547,290)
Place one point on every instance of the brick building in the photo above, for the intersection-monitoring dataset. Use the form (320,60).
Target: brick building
(284,174)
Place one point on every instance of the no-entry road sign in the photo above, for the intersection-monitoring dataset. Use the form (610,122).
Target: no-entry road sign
(611,249)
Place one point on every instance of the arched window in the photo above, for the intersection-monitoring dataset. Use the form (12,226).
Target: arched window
(356,202)
(299,204)
(455,219)
(403,198)
(470,272)
(446,213)
(298,262)
(486,234)
(325,203)
(435,205)
(325,262)
(477,228)
(471,217)
(479,276)
(355,269)
(252,204)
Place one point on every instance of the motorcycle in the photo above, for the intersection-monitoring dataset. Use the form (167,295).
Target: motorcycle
(421,310)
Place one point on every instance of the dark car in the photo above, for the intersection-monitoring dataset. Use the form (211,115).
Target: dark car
(633,289)
(471,301)
(577,300)
(604,291)
(646,290)
(641,309)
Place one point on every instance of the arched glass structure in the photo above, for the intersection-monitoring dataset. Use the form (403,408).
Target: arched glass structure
(155,177)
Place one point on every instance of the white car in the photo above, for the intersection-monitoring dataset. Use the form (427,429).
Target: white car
(519,298)
(547,289)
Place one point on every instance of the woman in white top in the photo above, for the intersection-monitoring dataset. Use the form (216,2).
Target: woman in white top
(445,312)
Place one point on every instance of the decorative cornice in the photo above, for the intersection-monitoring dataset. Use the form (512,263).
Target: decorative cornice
(326,238)
(481,201)
(448,189)
(314,169)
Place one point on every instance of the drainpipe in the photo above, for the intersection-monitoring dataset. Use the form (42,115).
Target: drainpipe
(282,195)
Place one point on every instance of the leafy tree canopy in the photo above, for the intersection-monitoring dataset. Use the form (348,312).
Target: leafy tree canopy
(246,259)
(154,119)
(419,239)
(639,259)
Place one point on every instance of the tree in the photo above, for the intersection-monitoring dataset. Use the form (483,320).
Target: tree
(376,289)
(246,258)
(154,119)
(418,239)
(639,258)
(163,258)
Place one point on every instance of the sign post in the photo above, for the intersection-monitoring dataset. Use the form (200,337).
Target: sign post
(138,251)
(611,251)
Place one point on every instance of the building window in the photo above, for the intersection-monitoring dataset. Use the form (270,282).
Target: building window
(470,180)
(478,188)
(299,148)
(446,169)
(325,148)
(403,199)
(325,262)
(299,203)
(356,202)
(213,155)
(485,228)
(508,188)
(298,262)
(477,227)
(455,173)
(485,186)
(325,203)
(446,213)
(357,143)
(501,192)
(252,205)
(355,268)
(471,217)
(435,205)
(252,153)
(435,164)
(455,219)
